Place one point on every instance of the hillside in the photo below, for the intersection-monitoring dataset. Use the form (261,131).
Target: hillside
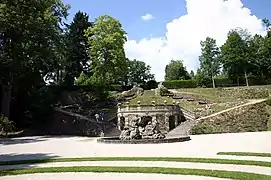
(251,118)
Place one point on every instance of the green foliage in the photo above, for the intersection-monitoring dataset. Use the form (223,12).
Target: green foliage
(236,55)
(209,59)
(203,129)
(138,72)
(95,85)
(177,84)
(107,57)
(175,70)
(152,84)
(6,125)
(202,80)
(115,87)
(76,43)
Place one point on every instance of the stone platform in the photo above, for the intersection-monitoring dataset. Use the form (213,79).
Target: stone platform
(116,140)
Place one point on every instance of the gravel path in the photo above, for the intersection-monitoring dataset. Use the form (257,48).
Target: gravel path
(199,146)
(105,176)
(205,146)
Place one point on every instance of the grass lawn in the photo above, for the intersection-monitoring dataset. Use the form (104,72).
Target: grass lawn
(157,170)
(202,93)
(148,97)
(245,154)
(207,93)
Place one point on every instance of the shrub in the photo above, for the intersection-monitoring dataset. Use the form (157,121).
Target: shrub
(152,84)
(115,87)
(6,125)
(177,84)
(203,128)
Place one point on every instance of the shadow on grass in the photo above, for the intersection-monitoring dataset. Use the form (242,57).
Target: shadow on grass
(8,163)
(5,158)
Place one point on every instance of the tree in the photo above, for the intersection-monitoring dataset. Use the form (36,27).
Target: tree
(138,72)
(76,57)
(267,24)
(106,39)
(209,59)
(175,70)
(30,34)
(192,74)
(236,56)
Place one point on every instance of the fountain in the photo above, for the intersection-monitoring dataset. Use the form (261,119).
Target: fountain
(147,123)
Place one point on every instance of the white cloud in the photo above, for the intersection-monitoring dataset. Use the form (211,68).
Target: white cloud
(147,17)
(204,18)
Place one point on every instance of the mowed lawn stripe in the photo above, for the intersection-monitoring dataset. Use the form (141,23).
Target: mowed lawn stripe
(245,154)
(104,169)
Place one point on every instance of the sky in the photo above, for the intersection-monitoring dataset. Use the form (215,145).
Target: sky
(159,31)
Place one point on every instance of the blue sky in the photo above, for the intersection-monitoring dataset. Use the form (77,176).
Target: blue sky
(129,13)
(178,26)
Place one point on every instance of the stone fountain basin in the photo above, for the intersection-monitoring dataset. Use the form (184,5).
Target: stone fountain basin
(116,140)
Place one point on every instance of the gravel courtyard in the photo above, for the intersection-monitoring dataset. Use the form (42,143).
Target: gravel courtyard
(205,146)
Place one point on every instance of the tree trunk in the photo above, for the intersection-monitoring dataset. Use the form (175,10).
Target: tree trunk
(6,100)
(213,79)
(246,78)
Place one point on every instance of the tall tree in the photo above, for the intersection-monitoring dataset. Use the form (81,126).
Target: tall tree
(175,70)
(29,36)
(76,60)
(209,59)
(236,56)
(106,39)
(138,72)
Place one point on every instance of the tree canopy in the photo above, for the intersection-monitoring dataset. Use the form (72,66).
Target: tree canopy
(209,59)
(175,70)
(138,72)
(107,57)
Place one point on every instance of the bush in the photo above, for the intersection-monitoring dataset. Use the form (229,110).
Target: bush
(152,84)
(177,84)
(6,125)
(203,129)
(115,87)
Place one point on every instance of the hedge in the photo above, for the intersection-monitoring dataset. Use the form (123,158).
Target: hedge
(177,84)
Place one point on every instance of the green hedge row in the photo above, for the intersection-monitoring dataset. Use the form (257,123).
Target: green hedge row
(176,84)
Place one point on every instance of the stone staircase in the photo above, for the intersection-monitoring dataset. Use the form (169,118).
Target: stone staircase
(184,128)
(189,115)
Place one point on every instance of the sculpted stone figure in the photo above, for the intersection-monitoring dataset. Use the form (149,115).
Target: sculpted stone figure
(148,131)
(125,133)
(135,131)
